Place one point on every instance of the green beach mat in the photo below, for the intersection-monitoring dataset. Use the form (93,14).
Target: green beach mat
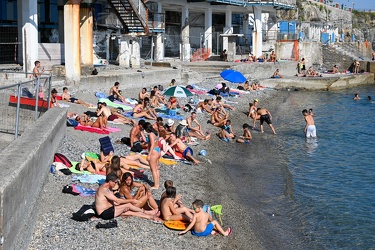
(115,105)
(75,171)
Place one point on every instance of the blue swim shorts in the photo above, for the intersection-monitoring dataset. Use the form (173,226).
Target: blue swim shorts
(206,232)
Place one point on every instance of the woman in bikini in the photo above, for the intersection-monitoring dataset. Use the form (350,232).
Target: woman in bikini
(139,112)
(164,146)
(153,153)
(173,103)
(146,107)
(140,192)
(54,99)
(84,120)
(93,167)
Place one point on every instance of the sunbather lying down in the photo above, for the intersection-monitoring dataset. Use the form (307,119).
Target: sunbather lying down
(84,120)
(93,167)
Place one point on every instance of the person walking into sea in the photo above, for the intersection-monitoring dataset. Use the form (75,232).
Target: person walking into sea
(310,129)
(265,116)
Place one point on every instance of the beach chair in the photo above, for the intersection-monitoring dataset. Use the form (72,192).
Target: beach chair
(106,145)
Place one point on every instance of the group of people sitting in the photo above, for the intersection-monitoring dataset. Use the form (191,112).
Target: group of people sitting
(247,87)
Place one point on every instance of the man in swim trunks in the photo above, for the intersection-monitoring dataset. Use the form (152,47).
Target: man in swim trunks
(111,116)
(66,97)
(202,223)
(204,106)
(310,129)
(108,206)
(265,116)
(186,151)
(114,93)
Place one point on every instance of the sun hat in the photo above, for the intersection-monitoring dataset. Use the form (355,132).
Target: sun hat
(183,123)
(170,122)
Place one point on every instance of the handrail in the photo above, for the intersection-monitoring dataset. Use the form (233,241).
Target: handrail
(142,12)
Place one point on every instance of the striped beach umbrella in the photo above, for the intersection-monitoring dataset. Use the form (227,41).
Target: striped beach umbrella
(178,91)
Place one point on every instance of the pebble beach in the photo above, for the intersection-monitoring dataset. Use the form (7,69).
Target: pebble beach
(211,181)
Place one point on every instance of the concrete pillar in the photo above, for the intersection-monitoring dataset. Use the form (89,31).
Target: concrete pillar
(245,28)
(159,39)
(135,59)
(208,29)
(86,36)
(185,39)
(228,29)
(61,21)
(72,41)
(124,57)
(28,36)
(257,34)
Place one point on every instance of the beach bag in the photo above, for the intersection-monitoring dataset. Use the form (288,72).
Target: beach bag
(85,213)
(62,158)
(188,107)
(94,72)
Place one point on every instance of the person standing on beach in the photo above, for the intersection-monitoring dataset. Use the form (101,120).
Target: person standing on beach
(310,129)
(265,116)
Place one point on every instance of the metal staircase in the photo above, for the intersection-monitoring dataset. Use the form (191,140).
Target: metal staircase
(136,17)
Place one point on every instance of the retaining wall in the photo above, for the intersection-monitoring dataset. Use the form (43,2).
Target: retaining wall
(24,165)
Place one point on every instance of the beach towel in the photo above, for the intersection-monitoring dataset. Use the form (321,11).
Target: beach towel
(198,91)
(127,104)
(90,129)
(164,161)
(100,95)
(84,192)
(75,171)
(115,105)
(93,178)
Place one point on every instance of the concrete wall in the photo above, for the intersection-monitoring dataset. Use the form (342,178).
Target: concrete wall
(51,54)
(265,70)
(24,166)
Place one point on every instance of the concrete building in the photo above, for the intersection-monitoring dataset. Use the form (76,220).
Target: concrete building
(58,32)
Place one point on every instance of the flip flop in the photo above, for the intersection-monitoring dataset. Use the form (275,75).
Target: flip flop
(230,231)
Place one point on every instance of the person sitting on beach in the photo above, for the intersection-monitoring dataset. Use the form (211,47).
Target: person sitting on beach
(140,192)
(312,72)
(182,131)
(335,69)
(356,97)
(115,93)
(356,67)
(195,128)
(204,106)
(173,103)
(168,183)
(228,130)
(158,124)
(66,97)
(265,116)
(186,151)
(108,206)
(246,86)
(169,127)
(135,135)
(254,86)
(222,134)
(143,94)
(202,223)
(139,112)
(154,101)
(159,95)
(173,82)
(219,102)
(164,146)
(217,118)
(277,74)
(310,129)
(107,114)
(273,57)
(224,55)
(168,210)
(246,137)
(224,89)
(147,107)
(84,120)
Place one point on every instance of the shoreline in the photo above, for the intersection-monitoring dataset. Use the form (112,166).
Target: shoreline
(54,226)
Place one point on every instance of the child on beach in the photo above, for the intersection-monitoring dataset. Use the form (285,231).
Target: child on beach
(170,212)
(246,137)
(201,225)
(223,135)
(177,201)
(310,129)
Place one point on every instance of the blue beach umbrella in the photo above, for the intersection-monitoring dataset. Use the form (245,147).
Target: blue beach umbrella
(232,76)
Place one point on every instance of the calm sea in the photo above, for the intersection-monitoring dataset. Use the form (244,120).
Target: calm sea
(333,176)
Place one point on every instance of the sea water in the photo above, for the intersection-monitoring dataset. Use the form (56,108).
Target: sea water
(333,176)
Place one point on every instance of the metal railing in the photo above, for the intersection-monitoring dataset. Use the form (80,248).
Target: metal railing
(22,103)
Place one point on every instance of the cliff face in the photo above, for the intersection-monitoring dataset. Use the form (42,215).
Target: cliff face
(364,26)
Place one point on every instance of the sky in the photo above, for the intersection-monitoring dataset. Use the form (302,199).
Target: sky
(359,4)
